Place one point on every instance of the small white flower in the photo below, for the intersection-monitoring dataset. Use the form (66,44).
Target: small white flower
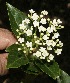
(38,54)
(29,32)
(49,42)
(58,51)
(53,43)
(55,22)
(21,40)
(36,23)
(35,16)
(51,57)
(44,12)
(45,53)
(59,21)
(60,43)
(53,28)
(56,35)
(41,28)
(42,49)
(22,26)
(45,37)
(29,44)
(43,21)
(19,49)
(49,29)
(31,11)
(27,21)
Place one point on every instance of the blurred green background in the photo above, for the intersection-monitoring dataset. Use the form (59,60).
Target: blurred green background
(57,9)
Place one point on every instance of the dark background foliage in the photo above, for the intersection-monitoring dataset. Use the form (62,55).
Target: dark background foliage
(57,9)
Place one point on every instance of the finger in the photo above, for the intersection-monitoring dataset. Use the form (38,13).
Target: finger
(3,63)
(6,38)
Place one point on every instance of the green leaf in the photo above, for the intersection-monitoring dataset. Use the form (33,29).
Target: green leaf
(64,78)
(52,70)
(13,47)
(15,17)
(32,69)
(16,59)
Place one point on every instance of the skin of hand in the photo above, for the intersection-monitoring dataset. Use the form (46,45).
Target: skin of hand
(6,39)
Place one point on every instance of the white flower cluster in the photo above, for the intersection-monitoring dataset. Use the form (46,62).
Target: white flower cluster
(38,40)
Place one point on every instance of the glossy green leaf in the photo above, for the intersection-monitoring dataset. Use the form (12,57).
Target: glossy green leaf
(15,17)
(52,70)
(64,78)
(12,47)
(32,69)
(16,59)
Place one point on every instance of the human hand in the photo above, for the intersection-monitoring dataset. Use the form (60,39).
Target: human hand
(6,39)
